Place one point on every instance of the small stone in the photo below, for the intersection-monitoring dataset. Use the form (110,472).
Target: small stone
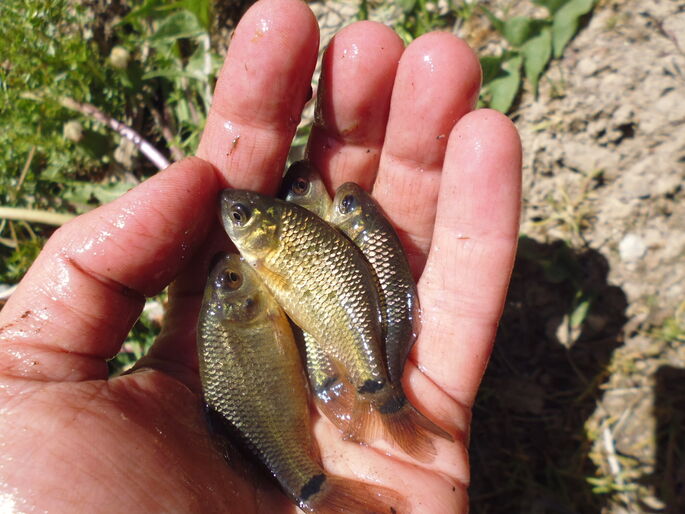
(73,130)
(119,57)
(636,186)
(587,66)
(671,105)
(632,248)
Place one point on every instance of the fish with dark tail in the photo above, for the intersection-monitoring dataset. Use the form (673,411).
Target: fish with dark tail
(252,376)
(358,215)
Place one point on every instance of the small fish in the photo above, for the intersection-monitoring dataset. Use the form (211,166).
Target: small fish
(325,285)
(303,185)
(358,215)
(252,376)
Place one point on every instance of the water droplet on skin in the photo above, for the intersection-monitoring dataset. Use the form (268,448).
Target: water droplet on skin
(428,59)
(263,26)
(351,52)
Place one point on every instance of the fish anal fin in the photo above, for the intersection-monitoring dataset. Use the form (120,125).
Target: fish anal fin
(340,495)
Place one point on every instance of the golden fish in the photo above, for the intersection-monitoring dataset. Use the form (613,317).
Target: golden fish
(356,213)
(303,185)
(252,376)
(325,285)
(361,219)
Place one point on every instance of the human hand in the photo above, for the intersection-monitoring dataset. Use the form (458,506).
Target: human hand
(74,441)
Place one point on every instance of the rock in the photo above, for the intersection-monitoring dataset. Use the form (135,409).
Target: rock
(636,185)
(672,106)
(587,66)
(674,26)
(588,158)
(632,248)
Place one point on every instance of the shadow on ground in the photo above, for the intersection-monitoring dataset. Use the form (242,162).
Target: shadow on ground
(669,412)
(561,325)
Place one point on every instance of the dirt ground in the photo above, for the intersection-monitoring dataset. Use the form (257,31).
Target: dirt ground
(583,405)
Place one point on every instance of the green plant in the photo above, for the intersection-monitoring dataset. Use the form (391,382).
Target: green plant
(531,45)
(67,78)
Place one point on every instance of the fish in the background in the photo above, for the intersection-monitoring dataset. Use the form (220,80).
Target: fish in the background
(252,376)
(324,283)
(358,215)
(303,185)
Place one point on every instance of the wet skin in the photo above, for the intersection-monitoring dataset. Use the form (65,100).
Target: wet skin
(448,178)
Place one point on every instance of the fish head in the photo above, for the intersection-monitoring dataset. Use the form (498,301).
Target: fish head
(304,186)
(251,221)
(349,209)
(233,291)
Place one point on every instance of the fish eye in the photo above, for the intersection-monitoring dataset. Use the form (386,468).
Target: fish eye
(239,214)
(230,280)
(299,186)
(348,204)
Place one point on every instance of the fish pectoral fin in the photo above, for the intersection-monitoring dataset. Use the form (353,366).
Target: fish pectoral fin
(272,279)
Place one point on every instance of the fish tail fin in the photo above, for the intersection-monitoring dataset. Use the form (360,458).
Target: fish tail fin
(345,496)
(408,428)
(363,425)
(335,402)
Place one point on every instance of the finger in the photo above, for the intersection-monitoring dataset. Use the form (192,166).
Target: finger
(437,83)
(174,351)
(85,290)
(357,74)
(260,93)
(465,281)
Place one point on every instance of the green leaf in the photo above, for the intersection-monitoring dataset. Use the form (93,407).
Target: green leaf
(491,66)
(565,23)
(407,5)
(202,9)
(83,192)
(173,73)
(551,5)
(182,24)
(496,22)
(518,30)
(580,311)
(503,89)
(536,54)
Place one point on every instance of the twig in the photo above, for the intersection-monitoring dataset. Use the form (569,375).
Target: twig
(142,144)
(610,449)
(93,112)
(46,217)
(25,170)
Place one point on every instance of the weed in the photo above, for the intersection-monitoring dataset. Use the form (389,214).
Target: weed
(532,43)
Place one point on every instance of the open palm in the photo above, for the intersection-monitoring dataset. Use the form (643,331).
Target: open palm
(449,179)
